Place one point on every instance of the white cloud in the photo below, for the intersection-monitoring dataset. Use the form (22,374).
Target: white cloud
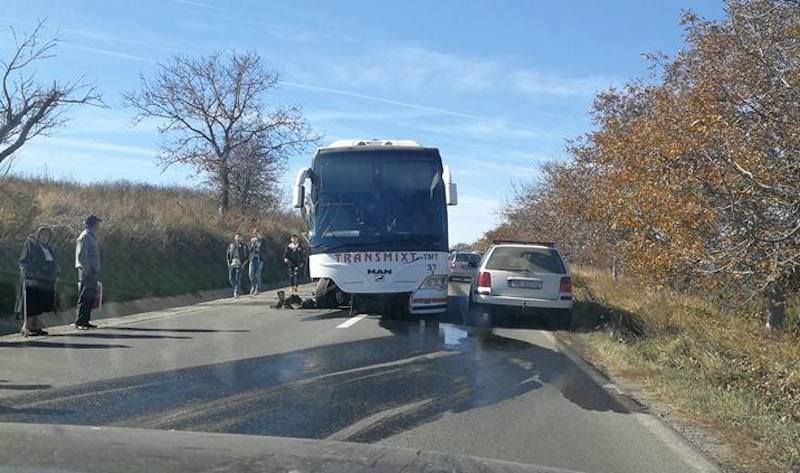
(374,98)
(338,115)
(96,36)
(55,145)
(492,129)
(201,5)
(537,84)
(107,52)
(411,69)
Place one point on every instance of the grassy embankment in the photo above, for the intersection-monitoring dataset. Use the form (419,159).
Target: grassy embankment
(155,241)
(710,366)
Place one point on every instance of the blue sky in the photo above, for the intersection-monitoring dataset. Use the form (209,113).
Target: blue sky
(498,86)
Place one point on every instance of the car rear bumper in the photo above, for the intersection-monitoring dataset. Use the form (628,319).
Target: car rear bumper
(522,302)
(461,275)
(428,306)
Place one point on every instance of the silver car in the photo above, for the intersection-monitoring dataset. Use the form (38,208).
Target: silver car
(527,277)
(463,264)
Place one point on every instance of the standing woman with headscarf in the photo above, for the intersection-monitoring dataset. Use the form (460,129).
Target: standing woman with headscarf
(39,271)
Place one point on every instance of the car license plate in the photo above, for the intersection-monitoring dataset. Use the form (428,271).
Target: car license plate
(525,284)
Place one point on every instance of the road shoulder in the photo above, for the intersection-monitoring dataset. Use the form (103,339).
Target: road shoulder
(693,442)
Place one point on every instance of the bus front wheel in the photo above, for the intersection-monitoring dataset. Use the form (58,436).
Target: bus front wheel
(327,295)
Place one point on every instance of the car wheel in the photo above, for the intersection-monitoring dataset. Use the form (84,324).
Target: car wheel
(561,319)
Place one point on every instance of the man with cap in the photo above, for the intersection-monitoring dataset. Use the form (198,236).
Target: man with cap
(87,262)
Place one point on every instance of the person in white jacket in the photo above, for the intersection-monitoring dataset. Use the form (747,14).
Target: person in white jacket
(87,262)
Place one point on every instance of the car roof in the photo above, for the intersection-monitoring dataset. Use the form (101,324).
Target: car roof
(539,246)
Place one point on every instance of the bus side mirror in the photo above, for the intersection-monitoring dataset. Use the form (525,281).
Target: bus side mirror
(451,193)
(450,189)
(299,191)
(299,197)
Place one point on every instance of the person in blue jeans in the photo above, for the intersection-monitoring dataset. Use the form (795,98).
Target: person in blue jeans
(236,258)
(256,261)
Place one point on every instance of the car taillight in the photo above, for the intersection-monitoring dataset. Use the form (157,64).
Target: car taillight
(566,285)
(484,279)
(452,265)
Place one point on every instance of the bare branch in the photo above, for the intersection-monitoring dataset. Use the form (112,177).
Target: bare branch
(28,108)
(215,112)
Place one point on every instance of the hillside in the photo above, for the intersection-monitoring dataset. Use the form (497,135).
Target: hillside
(155,241)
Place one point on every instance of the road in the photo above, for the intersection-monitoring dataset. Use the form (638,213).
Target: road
(238,366)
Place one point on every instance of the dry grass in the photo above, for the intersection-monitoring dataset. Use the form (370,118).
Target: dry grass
(155,241)
(713,366)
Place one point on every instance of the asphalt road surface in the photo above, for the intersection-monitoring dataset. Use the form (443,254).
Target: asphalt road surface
(238,366)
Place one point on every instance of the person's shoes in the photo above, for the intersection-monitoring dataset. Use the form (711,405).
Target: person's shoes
(82,327)
(90,325)
(41,333)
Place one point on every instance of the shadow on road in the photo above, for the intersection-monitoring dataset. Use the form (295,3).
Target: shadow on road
(22,387)
(124,336)
(70,345)
(364,390)
(176,330)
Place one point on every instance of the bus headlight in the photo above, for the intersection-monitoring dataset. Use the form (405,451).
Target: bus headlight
(435,281)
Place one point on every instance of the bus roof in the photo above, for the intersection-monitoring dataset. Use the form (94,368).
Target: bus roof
(372,143)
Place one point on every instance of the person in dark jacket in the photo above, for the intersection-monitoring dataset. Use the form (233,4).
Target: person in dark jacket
(39,270)
(294,259)
(237,259)
(256,261)
(87,263)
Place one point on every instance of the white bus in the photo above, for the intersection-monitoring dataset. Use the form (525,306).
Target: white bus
(377,225)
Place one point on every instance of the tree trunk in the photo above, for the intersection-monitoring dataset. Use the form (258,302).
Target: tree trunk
(614,268)
(225,189)
(776,308)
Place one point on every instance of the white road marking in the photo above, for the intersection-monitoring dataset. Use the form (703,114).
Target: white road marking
(352,321)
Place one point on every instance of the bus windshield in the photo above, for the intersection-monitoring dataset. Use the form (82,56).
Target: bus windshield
(378,200)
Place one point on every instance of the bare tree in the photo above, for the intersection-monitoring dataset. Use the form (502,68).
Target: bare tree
(27,108)
(254,177)
(214,111)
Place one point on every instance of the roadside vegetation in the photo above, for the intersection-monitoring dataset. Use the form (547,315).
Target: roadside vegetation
(155,241)
(681,209)
(690,177)
(698,359)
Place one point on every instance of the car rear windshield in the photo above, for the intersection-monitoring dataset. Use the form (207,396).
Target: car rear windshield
(467,258)
(534,260)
